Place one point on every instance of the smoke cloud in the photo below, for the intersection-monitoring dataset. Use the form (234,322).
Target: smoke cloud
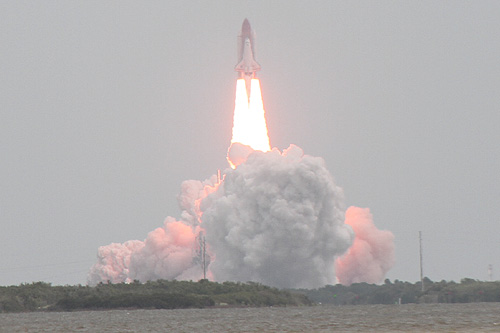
(168,252)
(277,219)
(371,255)
(113,262)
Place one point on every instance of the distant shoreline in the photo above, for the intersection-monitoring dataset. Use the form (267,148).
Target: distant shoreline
(399,292)
(163,294)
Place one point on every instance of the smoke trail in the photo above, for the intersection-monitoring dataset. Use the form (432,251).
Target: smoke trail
(372,253)
(278,219)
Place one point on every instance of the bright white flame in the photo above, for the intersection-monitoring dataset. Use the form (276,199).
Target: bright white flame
(249,125)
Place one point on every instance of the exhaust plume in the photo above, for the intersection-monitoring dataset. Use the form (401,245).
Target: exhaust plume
(249,122)
(276,218)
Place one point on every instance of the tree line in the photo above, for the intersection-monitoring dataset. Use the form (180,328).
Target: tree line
(163,294)
(160,294)
(467,291)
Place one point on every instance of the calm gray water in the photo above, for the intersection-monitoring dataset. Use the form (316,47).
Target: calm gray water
(473,317)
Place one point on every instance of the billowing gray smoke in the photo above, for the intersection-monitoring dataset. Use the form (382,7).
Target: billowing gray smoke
(278,219)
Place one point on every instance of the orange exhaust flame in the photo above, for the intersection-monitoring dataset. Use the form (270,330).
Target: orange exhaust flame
(249,124)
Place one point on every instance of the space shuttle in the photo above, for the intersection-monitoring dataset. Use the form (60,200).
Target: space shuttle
(247,66)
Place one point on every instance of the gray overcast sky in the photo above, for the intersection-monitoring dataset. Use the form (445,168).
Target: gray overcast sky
(106,107)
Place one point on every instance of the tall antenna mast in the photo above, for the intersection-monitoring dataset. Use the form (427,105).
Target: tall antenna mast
(204,256)
(203,253)
(421,261)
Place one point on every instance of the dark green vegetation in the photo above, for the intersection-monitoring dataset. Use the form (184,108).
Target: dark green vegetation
(161,294)
(467,291)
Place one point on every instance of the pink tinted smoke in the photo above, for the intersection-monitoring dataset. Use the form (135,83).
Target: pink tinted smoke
(167,252)
(372,253)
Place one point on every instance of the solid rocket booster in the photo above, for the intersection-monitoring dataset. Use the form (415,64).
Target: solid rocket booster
(247,66)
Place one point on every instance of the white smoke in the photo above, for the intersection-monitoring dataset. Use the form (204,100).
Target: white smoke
(277,220)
